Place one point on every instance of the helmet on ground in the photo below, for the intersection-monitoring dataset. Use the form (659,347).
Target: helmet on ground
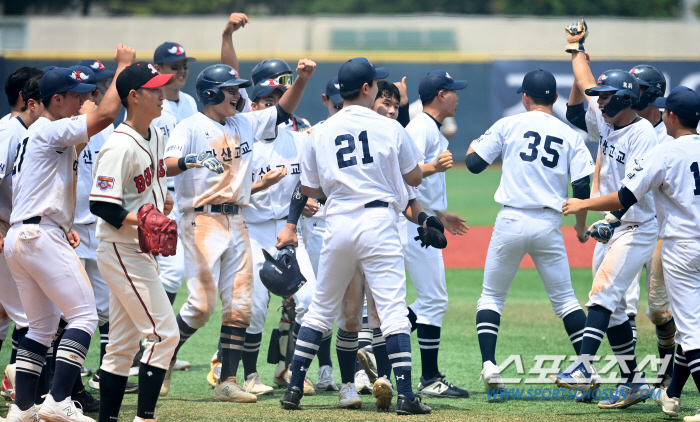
(269,69)
(213,78)
(624,86)
(281,275)
(655,81)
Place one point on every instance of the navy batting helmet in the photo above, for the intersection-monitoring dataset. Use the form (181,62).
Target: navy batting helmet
(269,69)
(655,81)
(281,275)
(213,78)
(624,86)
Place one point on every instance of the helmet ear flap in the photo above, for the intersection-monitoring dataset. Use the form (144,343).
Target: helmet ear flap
(213,96)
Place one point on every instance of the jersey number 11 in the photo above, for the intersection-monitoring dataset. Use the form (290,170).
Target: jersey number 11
(366,157)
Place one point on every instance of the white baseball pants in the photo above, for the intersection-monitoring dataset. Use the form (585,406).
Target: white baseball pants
(172,268)
(10,303)
(659,309)
(87,252)
(681,264)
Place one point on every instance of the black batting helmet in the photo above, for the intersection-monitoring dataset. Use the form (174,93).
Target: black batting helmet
(215,77)
(281,275)
(268,69)
(655,81)
(624,86)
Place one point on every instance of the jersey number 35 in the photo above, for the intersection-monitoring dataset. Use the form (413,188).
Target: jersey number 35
(548,141)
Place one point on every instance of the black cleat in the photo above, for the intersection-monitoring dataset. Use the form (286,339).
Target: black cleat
(291,399)
(88,403)
(439,387)
(406,407)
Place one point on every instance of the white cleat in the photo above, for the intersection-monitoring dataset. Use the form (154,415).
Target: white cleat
(669,405)
(229,390)
(348,398)
(137,419)
(7,389)
(362,382)
(63,411)
(181,365)
(491,375)
(253,385)
(694,418)
(383,394)
(326,379)
(165,387)
(16,415)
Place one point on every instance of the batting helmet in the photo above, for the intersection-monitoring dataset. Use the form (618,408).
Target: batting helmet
(213,78)
(655,81)
(281,275)
(268,69)
(624,86)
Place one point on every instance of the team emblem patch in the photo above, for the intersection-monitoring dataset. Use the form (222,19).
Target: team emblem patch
(104,182)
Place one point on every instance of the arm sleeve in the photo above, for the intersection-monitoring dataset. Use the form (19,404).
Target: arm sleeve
(476,164)
(282,116)
(112,213)
(66,132)
(627,198)
(404,118)
(309,172)
(619,213)
(582,187)
(296,205)
(490,145)
(178,145)
(576,115)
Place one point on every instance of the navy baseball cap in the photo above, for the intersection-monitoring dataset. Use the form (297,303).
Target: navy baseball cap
(333,90)
(682,101)
(61,80)
(47,68)
(358,71)
(140,75)
(101,72)
(436,81)
(539,84)
(265,88)
(169,52)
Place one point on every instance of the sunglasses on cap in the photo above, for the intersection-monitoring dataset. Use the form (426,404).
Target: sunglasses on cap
(284,79)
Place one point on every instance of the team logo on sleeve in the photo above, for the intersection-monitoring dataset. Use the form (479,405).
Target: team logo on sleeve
(104,182)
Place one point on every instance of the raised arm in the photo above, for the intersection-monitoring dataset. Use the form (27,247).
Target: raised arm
(290,100)
(228,53)
(581,63)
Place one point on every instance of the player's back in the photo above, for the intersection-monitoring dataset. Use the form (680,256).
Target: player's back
(540,155)
(361,157)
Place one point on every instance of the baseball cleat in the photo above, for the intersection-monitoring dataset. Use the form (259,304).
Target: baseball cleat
(7,388)
(348,398)
(85,372)
(383,394)
(669,405)
(406,407)
(87,401)
(574,378)
(308,384)
(326,379)
(63,411)
(215,359)
(214,374)
(366,358)
(181,365)
(165,387)
(291,399)
(491,375)
(134,371)
(626,395)
(280,376)
(440,387)
(229,390)
(253,385)
(362,382)
(665,381)
(131,387)
(16,415)
(694,418)
(137,419)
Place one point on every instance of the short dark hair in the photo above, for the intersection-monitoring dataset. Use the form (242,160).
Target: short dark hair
(125,100)
(427,102)
(31,91)
(47,101)
(387,90)
(688,123)
(545,102)
(15,83)
(353,93)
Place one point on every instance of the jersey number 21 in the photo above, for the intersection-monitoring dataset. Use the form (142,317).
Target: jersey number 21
(341,139)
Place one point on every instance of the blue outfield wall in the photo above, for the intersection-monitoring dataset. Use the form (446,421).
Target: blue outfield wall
(491,93)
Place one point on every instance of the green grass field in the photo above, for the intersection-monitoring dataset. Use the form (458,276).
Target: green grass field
(529,328)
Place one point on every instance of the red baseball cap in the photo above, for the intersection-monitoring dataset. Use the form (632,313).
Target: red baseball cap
(140,75)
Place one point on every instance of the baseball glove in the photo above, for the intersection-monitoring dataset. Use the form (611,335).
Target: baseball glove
(576,34)
(434,235)
(603,230)
(157,233)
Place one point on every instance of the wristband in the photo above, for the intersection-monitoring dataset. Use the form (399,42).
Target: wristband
(422,217)
(181,164)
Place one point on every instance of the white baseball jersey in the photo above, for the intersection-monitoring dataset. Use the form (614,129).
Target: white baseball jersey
(129,172)
(672,172)
(85,166)
(231,143)
(45,171)
(11,133)
(661,133)
(620,152)
(174,112)
(5,118)
(284,151)
(540,155)
(432,192)
(340,159)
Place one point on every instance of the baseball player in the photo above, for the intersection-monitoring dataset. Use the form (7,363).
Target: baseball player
(626,237)
(279,71)
(438,93)
(11,134)
(670,170)
(209,201)
(40,244)
(129,173)
(13,89)
(533,187)
(360,173)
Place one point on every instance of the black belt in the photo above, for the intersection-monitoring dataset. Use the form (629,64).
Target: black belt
(33,220)
(220,208)
(377,204)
